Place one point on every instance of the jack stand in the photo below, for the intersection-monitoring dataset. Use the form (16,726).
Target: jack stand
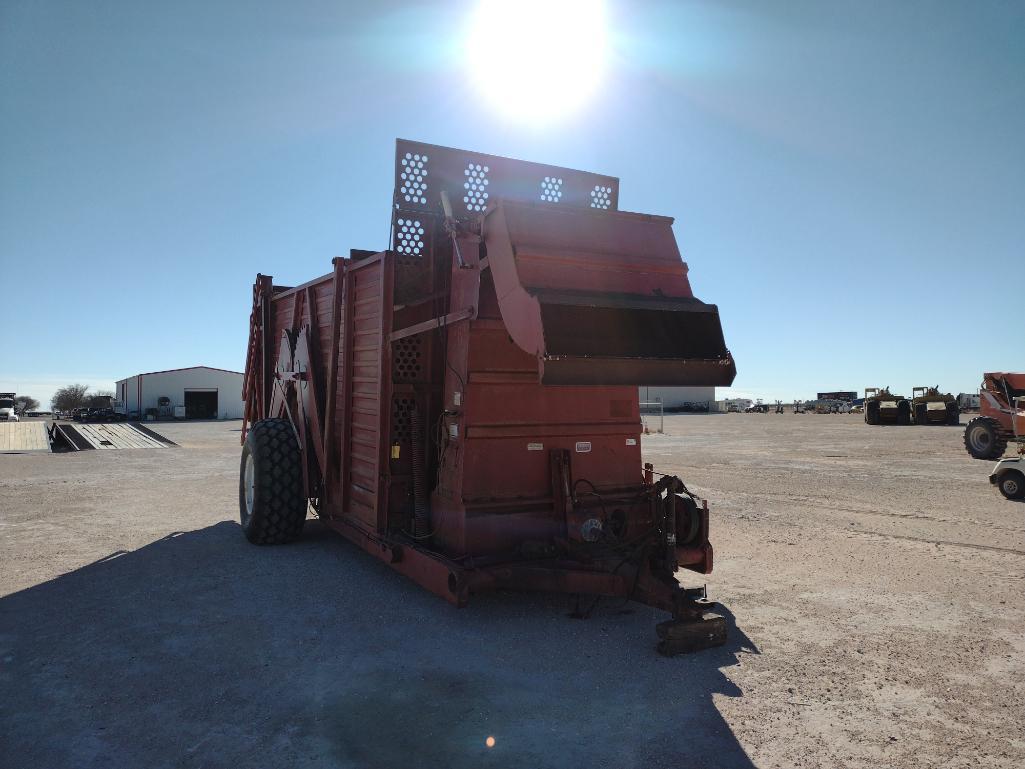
(693,627)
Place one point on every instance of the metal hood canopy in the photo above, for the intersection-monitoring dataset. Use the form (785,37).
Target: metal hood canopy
(601,297)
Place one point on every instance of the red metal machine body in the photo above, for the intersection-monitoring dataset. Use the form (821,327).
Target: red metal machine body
(466,403)
(999,421)
(996,399)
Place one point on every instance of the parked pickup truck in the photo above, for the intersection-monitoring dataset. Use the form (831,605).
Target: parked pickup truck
(99,415)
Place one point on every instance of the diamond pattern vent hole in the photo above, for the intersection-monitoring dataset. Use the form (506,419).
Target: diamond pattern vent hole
(551,189)
(601,197)
(406,359)
(414,178)
(476,186)
(400,427)
(410,236)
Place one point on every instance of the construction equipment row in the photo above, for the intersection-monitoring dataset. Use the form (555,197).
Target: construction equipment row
(926,406)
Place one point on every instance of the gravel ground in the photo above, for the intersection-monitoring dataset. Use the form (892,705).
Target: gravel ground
(873,577)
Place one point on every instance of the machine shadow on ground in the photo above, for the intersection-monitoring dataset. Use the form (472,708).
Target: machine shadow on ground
(202,650)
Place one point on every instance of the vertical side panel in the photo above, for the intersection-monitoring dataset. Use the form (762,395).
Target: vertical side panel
(343,393)
(253,379)
(369,390)
(282,312)
(333,353)
(387,272)
(266,360)
(324,295)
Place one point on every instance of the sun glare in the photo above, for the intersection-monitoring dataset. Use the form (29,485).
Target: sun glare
(537,60)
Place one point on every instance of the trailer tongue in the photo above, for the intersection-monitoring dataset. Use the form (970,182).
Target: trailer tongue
(465,405)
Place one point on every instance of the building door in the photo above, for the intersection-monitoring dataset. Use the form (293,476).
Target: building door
(201,404)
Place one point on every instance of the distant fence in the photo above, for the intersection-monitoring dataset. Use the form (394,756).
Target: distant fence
(652,416)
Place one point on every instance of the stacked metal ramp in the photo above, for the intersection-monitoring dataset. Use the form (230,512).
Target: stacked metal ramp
(133,435)
(19,437)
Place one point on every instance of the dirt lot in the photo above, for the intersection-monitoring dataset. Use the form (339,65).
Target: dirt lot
(874,577)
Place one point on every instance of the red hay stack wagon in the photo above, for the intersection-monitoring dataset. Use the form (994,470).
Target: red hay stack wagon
(987,435)
(465,404)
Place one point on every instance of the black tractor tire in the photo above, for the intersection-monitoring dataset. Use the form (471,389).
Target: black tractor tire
(872,413)
(921,414)
(953,414)
(903,412)
(983,438)
(1012,485)
(272,505)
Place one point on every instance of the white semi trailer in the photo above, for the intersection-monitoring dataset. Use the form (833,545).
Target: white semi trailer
(968,401)
(7,412)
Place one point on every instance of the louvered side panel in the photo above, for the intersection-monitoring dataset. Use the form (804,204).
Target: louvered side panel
(283,307)
(324,296)
(365,384)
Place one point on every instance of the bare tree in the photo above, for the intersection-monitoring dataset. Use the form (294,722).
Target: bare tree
(25,403)
(69,398)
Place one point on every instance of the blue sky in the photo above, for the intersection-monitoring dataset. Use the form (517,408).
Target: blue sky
(848,179)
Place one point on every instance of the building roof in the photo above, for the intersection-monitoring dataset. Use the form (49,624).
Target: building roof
(186,368)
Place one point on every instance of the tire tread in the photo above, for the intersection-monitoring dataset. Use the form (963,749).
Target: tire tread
(279,505)
(996,448)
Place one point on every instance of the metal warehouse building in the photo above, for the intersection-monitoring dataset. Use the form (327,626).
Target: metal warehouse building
(198,392)
(675,397)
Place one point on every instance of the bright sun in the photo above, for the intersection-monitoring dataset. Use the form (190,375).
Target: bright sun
(537,60)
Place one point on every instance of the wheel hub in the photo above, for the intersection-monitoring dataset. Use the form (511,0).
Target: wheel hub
(249,482)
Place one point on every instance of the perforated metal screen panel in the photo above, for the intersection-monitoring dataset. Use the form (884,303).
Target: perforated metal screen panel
(474,180)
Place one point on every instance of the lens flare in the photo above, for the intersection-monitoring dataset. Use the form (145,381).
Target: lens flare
(537,60)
